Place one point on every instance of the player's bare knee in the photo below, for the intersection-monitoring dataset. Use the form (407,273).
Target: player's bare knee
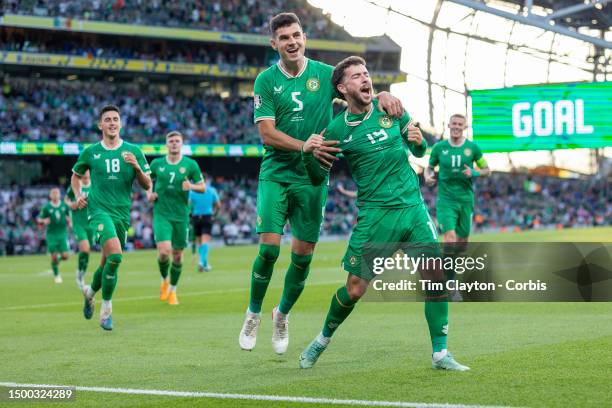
(65,256)
(269,238)
(300,247)
(177,256)
(356,287)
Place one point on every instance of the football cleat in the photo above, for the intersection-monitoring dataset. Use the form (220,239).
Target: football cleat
(163,290)
(448,363)
(172,298)
(248,333)
(88,307)
(311,354)
(280,332)
(107,323)
(58,279)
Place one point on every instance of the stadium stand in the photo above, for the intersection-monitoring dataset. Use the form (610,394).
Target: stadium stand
(505,202)
(249,16)
(65,111)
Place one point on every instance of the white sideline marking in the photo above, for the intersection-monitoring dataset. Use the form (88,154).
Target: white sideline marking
(148,297)
(256,397)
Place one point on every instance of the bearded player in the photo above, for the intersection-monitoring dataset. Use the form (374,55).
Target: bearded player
(114,164)
(391,208)
(293,99)
(175,176)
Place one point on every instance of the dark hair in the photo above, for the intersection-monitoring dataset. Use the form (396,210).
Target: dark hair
(338,73)
(109,108)
(283,20)
(175,133)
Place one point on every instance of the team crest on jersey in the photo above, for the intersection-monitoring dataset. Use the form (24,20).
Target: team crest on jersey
(100,227)
(467,151)
(313,84)
(385,121)
(257,101)
(182,170)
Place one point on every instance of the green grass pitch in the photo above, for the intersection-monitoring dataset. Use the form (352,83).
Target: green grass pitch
(521,354)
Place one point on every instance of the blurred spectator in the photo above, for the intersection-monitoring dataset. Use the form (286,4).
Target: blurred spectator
(240,16)
(67,111)
(503,202)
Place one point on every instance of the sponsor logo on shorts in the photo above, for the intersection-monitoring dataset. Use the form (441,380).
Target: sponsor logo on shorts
(313,84)
(385,121)
(467,151)
(353,260)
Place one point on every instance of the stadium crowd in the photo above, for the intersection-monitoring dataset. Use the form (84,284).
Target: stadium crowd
(503,202)
(66,111)
(250,16)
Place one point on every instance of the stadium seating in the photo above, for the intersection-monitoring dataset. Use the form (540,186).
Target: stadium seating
(235,16)
(504,201)
(65,111)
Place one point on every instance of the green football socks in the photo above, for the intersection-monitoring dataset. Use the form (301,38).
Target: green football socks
(261,274)
(175,273)
(340,308)
(295,279)
(109,275)
(163,267)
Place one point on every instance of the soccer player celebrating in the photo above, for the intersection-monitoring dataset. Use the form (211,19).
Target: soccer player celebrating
(175,176)
(203,207)
(455,202)
(83,234)
(113,164)
(391,208)
(56,216)
(293,99)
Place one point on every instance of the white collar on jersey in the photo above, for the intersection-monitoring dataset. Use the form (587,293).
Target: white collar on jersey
(287,74)
(111,148)
(357,122)
(177,162)
(459,145)
(59,204)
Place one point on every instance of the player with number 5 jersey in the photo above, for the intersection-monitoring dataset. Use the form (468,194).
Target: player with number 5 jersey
(113,164)
(292,100)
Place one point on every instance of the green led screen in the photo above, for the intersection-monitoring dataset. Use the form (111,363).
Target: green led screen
(543,117)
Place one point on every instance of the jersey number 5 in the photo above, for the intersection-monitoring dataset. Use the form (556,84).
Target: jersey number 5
(300,104)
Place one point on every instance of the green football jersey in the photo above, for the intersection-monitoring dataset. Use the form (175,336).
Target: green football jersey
(111,178)
(300,106)
(58,217)
(453,185)
(373,145)
(172,202)
(79,216)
